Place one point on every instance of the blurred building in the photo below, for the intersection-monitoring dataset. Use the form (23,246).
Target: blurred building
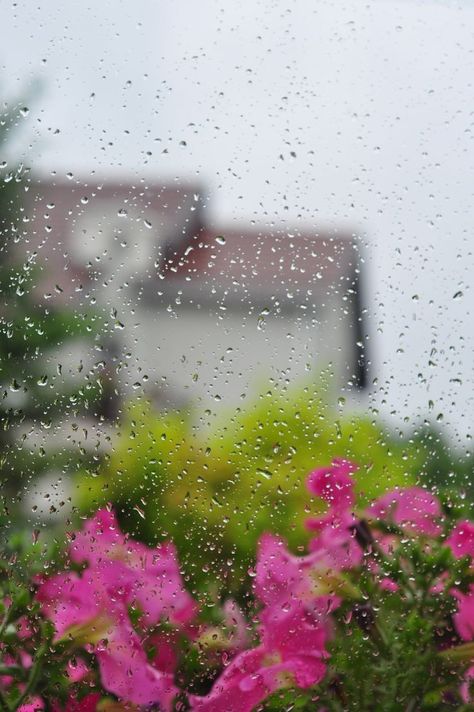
(197,312)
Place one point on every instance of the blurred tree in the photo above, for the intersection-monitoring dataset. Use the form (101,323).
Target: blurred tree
(34,393)
(447,465)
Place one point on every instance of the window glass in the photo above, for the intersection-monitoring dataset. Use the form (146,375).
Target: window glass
(236,356)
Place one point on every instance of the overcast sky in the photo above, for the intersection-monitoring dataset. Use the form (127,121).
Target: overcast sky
(300,113)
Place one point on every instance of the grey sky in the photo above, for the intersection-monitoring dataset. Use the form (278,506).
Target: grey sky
(374,99)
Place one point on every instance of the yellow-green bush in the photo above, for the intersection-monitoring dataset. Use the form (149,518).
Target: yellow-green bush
(214,489)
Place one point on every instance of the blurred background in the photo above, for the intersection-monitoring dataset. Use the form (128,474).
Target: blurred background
(236,242)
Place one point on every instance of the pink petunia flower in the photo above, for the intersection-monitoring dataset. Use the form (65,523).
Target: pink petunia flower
(92,608)
(414,508)
(466,685)
(240,687)
(283,579)
(335,486)
(89,703)
(291,654)
(81,607)
(461,539)
(125,671)
(151,576)
(236,624)
(337,545)
(464,616)
(34,704)
(335,539)
(314,580)
(77,670)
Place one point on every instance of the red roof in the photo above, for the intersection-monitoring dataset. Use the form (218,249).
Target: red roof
(264,262)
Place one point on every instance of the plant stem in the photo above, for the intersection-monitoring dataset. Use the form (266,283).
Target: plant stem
(6,620)
(33,679)
(15,671)
(3,703)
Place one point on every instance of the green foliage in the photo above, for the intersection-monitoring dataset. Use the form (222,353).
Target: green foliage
(445,467)
(385,654)
(216,488)
(395,650)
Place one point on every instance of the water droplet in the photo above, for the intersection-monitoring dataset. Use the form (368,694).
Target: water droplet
(139,511)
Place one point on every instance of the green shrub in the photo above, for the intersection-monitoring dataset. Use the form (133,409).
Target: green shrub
(215,488)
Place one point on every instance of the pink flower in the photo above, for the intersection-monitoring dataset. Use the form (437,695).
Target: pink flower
(236,624)
(283,579)
(298,638)
(77,670)
(315,580)
(415,509)
(89,703)
(6,680)
(83,608)
(335,486)
(335,540)
(292,631)
(125,671)
(99,539)
(92,608)
(239,688)
(461,539)
(337,545)
(151,576)
(33,705)
(291,653)
(465,689)
(166,645)
(464,617)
